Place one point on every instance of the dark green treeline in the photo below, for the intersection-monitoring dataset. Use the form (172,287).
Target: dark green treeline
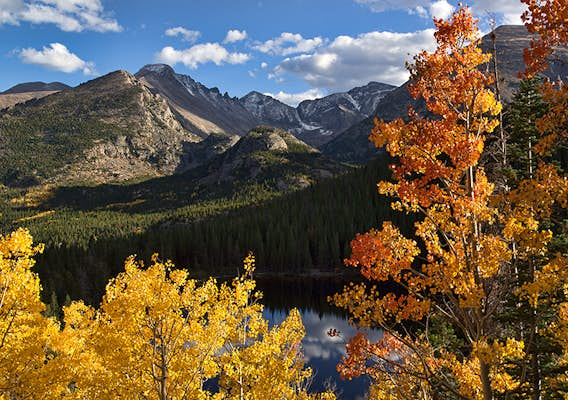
(296,233)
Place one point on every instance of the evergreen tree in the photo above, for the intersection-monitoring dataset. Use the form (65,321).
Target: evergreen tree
(527,107)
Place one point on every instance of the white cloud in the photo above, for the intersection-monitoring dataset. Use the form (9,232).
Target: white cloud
(40,14)
(441,9)
(57,57)
(76,5)
(420,11)
(186,34)
(289,43)
(293,99)
(9,10)
(354,61)
(201,54)
(235,35)
(263,65)
(422,8)
(67,15)
(506,11)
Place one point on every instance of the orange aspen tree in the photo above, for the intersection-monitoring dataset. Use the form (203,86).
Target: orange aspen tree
(547,19)
(455,269)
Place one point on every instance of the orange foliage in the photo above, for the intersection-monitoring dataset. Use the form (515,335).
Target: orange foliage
(463,259)
(548,19)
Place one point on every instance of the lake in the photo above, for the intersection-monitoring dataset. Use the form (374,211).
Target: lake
(322,352)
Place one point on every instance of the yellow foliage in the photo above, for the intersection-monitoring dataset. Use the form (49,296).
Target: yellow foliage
(27,368)
(156,335)
(159,334)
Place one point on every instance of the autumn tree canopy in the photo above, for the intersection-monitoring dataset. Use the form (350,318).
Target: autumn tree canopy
(156,335)
(444,333)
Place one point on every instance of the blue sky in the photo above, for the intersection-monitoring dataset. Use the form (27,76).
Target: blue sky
(293,49)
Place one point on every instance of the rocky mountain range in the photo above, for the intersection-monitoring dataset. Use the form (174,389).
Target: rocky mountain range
(318,121)
(205,110)
(200,109)
(118,128)
(121,126)
(110,128)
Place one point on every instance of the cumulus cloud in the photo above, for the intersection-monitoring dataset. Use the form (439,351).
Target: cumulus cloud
(354,61)
(57,57)
(505,11)
(67,15)
(235,35)
(263,65)
(200,54)
(289,43)
(441,9)
(293,99)
(420,11)
(9,10)
(186,34)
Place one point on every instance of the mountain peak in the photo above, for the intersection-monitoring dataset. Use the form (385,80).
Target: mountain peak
(156,68)
(254,93)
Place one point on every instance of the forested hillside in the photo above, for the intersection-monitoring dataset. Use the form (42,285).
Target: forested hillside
(303,232)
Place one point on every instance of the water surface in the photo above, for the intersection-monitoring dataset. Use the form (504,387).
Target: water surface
(322,352)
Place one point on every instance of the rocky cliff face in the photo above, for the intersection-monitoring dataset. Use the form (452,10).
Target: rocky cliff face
(200,109)
(510,40)
(271,112)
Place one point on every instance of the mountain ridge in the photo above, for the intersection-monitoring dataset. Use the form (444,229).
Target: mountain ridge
(352,144)
(201,109)
(107,129)
(318,121)
(27,87)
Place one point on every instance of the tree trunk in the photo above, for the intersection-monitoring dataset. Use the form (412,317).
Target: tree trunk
(485,380)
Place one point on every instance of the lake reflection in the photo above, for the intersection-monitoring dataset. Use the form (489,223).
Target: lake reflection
(321,351)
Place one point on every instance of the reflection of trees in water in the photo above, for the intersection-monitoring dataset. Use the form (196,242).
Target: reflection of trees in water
(306,293)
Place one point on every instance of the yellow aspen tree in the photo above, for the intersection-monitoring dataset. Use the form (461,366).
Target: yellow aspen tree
(457,271)
(260,363)
(27,338)
(160,335)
